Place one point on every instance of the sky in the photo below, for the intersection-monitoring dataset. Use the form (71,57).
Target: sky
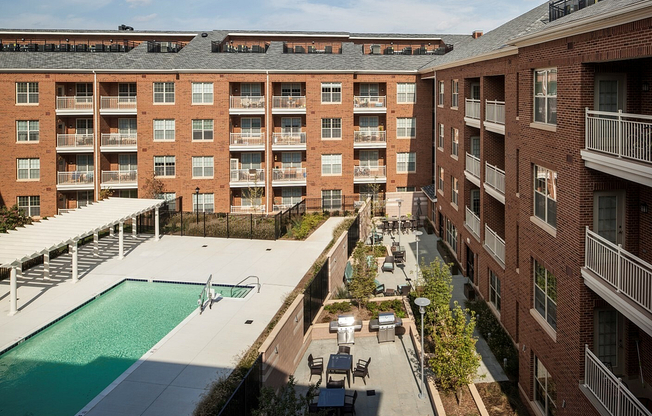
(384,16)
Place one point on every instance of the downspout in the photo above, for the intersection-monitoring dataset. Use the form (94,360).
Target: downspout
(268,156)
(96,139)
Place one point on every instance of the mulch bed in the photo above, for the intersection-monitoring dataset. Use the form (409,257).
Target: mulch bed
(361,314)
(466,407)
(502,398)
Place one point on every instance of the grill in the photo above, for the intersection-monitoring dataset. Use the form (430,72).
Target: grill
(386,325)
(346,325)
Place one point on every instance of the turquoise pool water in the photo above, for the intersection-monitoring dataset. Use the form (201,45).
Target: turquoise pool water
(62,368)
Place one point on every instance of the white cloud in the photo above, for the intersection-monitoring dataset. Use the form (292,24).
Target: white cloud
(138,3)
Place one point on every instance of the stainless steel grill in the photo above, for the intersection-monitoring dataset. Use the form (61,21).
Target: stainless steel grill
(346,325)
(386,325)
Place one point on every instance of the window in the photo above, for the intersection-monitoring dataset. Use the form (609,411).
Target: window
(291,125)
(27,93)
(250,90)
(250,127)
(84,198)
(331,164)
(545,390)
(475,202)
(451,235)
(545,195)
(202,130)
(291,196)
(545,294)
(369,158)
(331,128)
(84,126)
(27,130)
(128,162)
(30,205)
(494,290)
(406,127)
(127,90)
(406,162)
(290,89)
(203,202)
(164,130)
(455,140)
(171,199)
(29,169)
(440,184)
(369,123)
(455,94)
(164,165)
(406,93)
(84,90)
(127,193)
(440,100)
(84,163)
(440,142)
(250,160)
(164,92)
(291,160)
(251,198)
(406,189)
(455,190)
(331,92)
(369,90)
(331,199)
(128,127)
(545,96)
(202,166)
(202,93)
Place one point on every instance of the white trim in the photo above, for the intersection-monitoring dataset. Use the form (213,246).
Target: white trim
(544,324)
(544,225)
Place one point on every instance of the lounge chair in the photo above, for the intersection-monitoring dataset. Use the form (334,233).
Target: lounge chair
(380,289)
(388,264)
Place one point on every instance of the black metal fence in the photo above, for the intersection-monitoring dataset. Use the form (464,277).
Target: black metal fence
(245,397)
(560,8)
(353,235)
(289,217)
(343,205)
(314,296)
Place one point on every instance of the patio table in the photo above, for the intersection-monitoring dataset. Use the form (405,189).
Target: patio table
(331,398)
(340,364)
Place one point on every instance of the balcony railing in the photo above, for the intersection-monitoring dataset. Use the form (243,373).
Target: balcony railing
(472,108)
(117,103)
(289,103)
(250,209)
(75,103)
(494,243)
(495,112)
(74,140)
(369,136)
(247,139)
(289,174)
(256,176)
(376,102)
(608,389)
(119,140)
(494,177)
(473,222)
(561,8)
(289,139)
(473,165)
(628,274)
(247,102)
(369,172)
(75,178)
(122,177)
(620,134)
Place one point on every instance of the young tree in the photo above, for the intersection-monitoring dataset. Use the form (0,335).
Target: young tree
(10,218)
(153,187)
(363,281)
(435,283)
(285,402)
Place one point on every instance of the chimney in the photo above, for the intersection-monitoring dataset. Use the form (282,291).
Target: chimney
(476,34)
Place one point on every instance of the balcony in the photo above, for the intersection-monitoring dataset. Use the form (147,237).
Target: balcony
(370,174)
(494,116)
(122,179)
(289,177)
(369,104)
(369,139)
(75,180)
(472,169)
(619,144)
(494,182)
(118,105)
(606,392)
(289,141)
(494,245)
(75,105)
(247,105)
(620,278)
(472,112)
(247,142)
(248,209)
(119,142)
(289,105)
(472,222)
(74,143)
(247,178)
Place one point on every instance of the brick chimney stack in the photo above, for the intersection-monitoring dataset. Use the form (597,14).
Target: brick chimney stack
(476,34)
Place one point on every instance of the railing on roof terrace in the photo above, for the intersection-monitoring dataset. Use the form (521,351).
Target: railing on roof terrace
(307,47)
(395,49)
(43,45)
(227,47)
(561,8)
(164,47)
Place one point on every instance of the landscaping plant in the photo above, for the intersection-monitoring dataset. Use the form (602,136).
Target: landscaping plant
(363,282)
(10,218)
(286,402)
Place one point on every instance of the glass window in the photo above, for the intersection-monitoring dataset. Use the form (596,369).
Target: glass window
(369,90)
(30,205)
(27,130)
(406,93)
(440,142)
(440,100)
(545,294)
(406,127)
(451,235)
(369,123)
(127,162)
(171,199)
(250,160)
(455,190)
(203,202)
(202,93)
(331,199)
(127,90)
(164,165)
(164,92)
(290,89)
(164,130)
(291,125)
(202,130)
(440,184)
(291,159)
(545,96)
(250,90)
(455,140)
(545,195)
(545,390)
(369,158)
(250,127)
(291,196)
(494,290)
(29,169)
(84,163)
(331,92)
(331,128)
(455,95)
(27,93)
(331,164)
(406,189)
(202,166)
(406,162)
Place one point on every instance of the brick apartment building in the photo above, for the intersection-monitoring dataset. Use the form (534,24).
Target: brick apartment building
(543,193)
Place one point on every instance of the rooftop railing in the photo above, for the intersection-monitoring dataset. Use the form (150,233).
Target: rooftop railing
(561,8)
(43,45)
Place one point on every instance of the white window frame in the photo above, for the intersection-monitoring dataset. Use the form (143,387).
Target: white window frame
(206,203)
(455,142)
(31,93)
(405,160)
(31,205)
(331,129)
(547,192)
(165,95)
(455,190)
(32,131)
(451,235)
(495,296)
(546,95)
(544,304)
(440,182)
(331,92)
(455,93)
(406,127)
(202,93)
(440,139)
(406,93)
(167,128)
(331,195)
(168,164)
(202,130)
(440,94)
(291,89)
(331,165)
(547,403)
(170,197)
(203,167)
(31,169)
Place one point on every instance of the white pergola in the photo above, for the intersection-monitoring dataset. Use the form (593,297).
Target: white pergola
(25,243)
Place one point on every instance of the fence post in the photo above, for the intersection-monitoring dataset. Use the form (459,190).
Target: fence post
(251,226)
(619,268)
(620,133)
(181,223)
(204,223)
(227,225)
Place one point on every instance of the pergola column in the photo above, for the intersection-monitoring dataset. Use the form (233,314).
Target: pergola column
(121,244)
(46,266)
(134,231)
(13,289)
(96,244)
(75,272)
(111,230)
(156,229)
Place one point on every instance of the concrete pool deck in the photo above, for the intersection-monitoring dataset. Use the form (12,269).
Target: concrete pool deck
(179,369)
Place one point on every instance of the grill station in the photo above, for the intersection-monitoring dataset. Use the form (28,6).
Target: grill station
(345,326)
(386,325)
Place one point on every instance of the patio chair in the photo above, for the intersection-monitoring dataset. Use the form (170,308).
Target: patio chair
(403,290)
(349,403)
(388,264)
(344,349)
(316,366)
(379,290)
(362,370)
(334,384)
(399,256)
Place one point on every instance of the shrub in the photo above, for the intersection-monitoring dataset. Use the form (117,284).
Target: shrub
(303,228)
(10,218)
(372,307)
(338,307)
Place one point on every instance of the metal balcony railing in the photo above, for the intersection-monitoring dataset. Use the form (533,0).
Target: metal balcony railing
(473,222)
(494,243)
(247,139)
(289,139)
(119,140)
(75,178)
(118,103)
(620,134)
(561,8)
(369,102)
(119,177)
(75,103)
(473,165)
(247,102)
(251,209)
(74,140)
(369,172)
(472,108)
(494,177)
(495,112)
(289,103)
(369,136)
(256,176)
(289,174)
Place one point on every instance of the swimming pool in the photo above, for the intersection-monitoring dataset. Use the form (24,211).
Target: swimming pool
(63,367)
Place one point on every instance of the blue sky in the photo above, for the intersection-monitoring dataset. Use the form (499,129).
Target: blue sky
(402,16)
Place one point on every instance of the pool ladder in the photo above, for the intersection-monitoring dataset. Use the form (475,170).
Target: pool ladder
(244,280)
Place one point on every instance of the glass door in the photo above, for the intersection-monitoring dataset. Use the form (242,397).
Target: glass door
(608,215)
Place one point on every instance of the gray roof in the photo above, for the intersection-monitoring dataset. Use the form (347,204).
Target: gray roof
(430,192)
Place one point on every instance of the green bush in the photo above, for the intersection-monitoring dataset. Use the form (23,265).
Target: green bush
(338,307)
(372,307)
(303,228)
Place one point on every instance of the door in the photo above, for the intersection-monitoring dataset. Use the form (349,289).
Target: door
(470,261)
(475,201)
(84,126)
(369,123)
(369,90)
(127,126)
(610,92)
(84,163)
(475,91)
(127,162)
(290,160)
(608,339)
(475,146)
(291,125)
(290,89)
(369,158)
(250,127)
(233,165)
(609,215)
